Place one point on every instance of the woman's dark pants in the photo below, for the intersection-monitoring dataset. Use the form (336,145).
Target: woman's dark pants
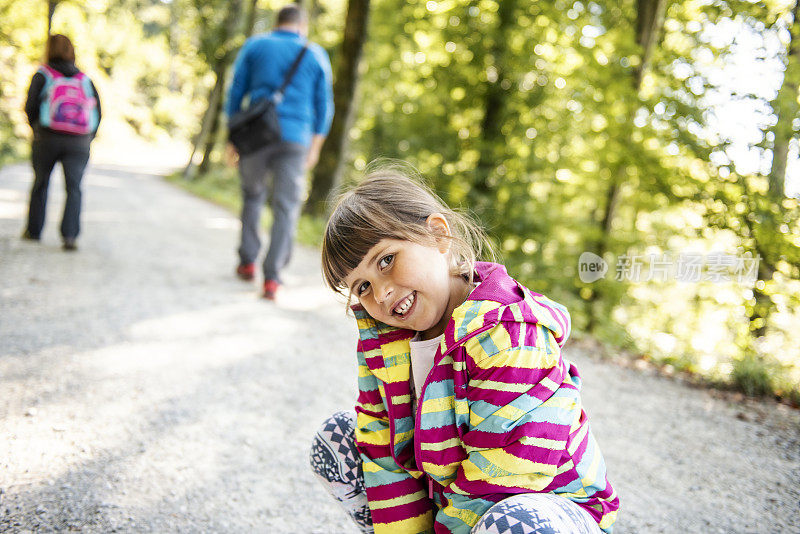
(73,153)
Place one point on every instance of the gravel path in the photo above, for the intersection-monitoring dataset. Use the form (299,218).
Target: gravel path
(143,388)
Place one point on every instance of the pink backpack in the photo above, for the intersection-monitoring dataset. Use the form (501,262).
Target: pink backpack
(68,103)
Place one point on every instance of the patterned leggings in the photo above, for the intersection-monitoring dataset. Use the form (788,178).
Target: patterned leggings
(335,461)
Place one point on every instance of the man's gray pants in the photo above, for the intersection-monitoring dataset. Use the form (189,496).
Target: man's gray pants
(277,173)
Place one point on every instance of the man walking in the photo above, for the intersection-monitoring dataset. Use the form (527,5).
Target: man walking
(304,113)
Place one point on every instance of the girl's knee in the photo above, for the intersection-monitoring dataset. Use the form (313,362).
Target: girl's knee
(333,452)
(540,513)
(339,421)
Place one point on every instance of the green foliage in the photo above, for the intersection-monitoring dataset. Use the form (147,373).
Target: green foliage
(753,375)
(571,124)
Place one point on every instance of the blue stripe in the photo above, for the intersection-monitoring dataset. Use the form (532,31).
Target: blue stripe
(440,389)
(367,383)
(463,502)
(403,424)
(385,475)
(471,313)
(437,420)
(375,426)
(540,414)
(487,343)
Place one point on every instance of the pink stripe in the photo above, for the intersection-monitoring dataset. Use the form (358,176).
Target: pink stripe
(478,438)
(437,435)
(445,456)
(373,451)
(401,512)
(407,486)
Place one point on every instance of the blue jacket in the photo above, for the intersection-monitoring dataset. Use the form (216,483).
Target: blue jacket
(260,68)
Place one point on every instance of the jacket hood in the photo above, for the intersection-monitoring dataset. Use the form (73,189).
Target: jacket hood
(500,298)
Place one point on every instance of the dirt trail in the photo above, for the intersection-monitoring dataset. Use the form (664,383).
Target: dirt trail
(143,388)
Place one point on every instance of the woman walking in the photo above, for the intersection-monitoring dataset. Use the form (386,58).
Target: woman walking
(63,108)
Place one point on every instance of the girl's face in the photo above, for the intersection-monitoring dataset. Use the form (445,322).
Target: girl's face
(409,285)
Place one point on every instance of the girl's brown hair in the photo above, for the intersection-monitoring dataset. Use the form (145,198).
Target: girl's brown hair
(59,48)
(388,204)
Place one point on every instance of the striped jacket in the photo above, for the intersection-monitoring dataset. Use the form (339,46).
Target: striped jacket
(499,414)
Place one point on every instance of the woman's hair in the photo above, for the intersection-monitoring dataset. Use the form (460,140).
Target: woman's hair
(59,48)
(388,204)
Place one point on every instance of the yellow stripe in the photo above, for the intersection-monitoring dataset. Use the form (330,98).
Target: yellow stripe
(532,481)
(373,438)
(372,407)
(459,314)
(580,493)
(412,525)
(501,340)
(513,464)
(461,407)
(437,405)
(397,501)
(509,412)
(475,419)
(554,444)
(403,436)
(398,350)
(441,445)
(549,384)
(500,386)
(374,467)
(440,470)
(520,357)
(565,403)
(576,441)
(467,516)
(401,399)
(608,519)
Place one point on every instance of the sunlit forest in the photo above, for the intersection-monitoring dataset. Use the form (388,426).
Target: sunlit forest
(657,139)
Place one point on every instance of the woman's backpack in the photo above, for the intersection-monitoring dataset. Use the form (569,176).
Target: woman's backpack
(68,103)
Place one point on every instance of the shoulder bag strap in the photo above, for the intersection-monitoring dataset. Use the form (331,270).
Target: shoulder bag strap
(49,71)
(278,96)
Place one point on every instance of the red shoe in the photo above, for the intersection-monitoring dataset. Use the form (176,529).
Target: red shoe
(246,271)
(270,289)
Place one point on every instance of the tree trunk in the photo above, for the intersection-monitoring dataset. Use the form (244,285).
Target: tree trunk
(214,101)
(649,20)
(217,122)
(252,16)
(785,108)
(494,111)
(51,9)
(211,115)
(328,172)
(211,140)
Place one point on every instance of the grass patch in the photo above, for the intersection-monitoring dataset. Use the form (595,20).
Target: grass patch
(754,375)
(221,186)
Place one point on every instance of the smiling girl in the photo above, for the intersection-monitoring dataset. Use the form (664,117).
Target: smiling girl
(467,419)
